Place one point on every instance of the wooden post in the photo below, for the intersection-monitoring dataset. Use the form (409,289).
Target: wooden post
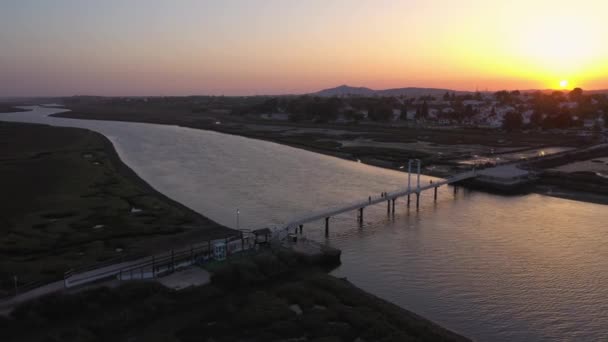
(455,190)
(388,206)
(301,228)
(408,200)
(326,226)
(393,206)
(417,200)
(435,197)
(361,215)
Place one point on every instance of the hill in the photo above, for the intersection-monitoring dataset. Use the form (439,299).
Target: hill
(345,90)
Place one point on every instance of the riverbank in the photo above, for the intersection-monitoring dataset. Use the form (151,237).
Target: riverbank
(74,203)
(386,146)
(270,296)
(576,176)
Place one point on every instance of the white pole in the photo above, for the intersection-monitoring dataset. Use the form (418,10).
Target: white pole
(409,175)
(418,161)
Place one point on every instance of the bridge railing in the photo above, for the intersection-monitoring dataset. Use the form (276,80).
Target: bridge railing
(150,267)
(371,200)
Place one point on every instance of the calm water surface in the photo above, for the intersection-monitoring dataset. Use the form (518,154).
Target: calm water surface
(526,268)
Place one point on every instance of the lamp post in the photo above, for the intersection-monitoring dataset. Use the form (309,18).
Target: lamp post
(237,218)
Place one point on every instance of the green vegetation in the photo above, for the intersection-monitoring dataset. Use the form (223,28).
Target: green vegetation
(68,201)
(249,299)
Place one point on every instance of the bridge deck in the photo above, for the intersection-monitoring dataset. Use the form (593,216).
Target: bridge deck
(375,200)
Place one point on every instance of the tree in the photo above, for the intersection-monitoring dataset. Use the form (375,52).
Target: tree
(503,96)
(536,119)
(381,112)
(576,94)
(424,111)
(512,121)
(353,115)
(403,115)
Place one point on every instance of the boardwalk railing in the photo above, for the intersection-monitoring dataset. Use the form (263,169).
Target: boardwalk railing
(151,267)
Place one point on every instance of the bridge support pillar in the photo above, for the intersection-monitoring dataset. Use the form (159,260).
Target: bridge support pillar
(388,206)
(326,226)
(435,195)
(455,189)
(301,228)
(417,200)
(360,215)
(408,200)
(393,206)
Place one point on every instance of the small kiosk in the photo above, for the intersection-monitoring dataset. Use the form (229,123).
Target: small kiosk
(219,251)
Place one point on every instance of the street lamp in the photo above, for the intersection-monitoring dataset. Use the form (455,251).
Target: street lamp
(237,218)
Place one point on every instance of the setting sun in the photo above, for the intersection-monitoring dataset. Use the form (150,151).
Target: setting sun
(563,84)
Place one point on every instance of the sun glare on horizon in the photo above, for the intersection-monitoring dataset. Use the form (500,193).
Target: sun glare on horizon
(563,84)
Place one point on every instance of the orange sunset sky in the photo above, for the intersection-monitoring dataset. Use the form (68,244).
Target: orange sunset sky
(245,47)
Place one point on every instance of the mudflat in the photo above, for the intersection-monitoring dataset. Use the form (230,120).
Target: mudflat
(68,201)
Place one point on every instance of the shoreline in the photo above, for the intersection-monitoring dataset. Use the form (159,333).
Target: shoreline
(315,148)
(563,193)
(126,171)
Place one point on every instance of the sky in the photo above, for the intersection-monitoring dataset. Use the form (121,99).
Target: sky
(249,47)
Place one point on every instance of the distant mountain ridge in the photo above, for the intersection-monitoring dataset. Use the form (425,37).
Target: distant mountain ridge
(345,90)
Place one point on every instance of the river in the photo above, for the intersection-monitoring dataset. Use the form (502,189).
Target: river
(494,268)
